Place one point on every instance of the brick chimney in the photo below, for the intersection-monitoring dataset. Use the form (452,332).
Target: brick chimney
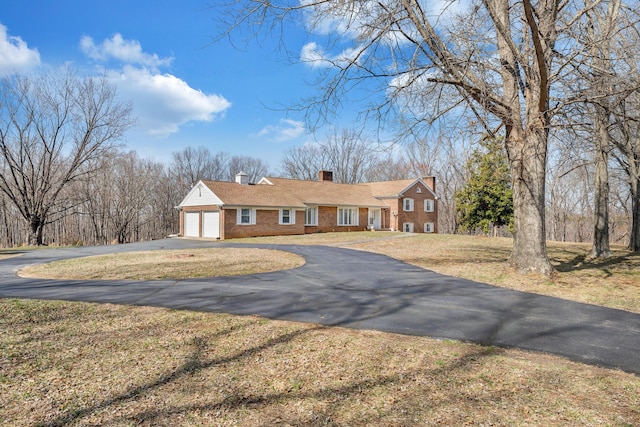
(325,176)
(431,182)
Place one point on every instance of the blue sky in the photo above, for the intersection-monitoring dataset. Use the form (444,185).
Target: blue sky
(186,88)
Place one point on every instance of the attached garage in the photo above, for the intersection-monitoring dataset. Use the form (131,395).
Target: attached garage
(202,218)
(192,224)
(211,225)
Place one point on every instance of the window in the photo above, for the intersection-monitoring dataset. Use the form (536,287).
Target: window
(287,216)
(428,205)
(246,216)
(347,216)
(418,190)
(428,227)
(311,216)
(408,205)
(407,227)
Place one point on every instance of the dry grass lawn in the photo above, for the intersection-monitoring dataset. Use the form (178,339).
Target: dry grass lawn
(174,264)
(78,364)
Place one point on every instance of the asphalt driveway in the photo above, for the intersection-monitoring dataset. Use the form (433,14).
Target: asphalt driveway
(361,290)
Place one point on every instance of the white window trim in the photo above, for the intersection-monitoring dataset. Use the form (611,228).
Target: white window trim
(404,204)
(428,227)
(252,216)
(354,216)
(404,227)
(429,205)
(314,216)
(292,217)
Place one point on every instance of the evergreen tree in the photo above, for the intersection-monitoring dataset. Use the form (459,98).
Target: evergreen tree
(486,201)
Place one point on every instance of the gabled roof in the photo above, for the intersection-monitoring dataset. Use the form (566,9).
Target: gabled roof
(393,189)
(234,194)
(200,195)
(291,193)
(325,193)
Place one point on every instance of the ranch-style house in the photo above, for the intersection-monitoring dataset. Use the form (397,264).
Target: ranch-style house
(279,206)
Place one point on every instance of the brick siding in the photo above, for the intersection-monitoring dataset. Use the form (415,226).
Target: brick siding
(266,225)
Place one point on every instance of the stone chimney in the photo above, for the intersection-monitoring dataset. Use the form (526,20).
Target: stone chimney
(325,176)
(242,178)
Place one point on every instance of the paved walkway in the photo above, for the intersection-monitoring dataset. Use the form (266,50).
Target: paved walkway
(362,290)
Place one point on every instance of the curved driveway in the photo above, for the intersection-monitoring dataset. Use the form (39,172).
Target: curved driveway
(362,290)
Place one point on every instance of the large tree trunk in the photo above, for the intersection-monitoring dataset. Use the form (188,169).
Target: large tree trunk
(36,229)
(600,248)
(600,30)
(526,122)
(634,237)
(528,160)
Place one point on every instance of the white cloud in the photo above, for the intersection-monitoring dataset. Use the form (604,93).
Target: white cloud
(15,55)
(352,19)
(315,57)
(164,102)
(312,55)
(127,51)
(352,22)
(287,130)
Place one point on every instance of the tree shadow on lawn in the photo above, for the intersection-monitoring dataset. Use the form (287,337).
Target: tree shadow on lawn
(465,256)
(608,266)
(334,397)
(189,367)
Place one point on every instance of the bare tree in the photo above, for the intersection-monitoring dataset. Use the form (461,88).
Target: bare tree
(601,26)
(51,127)
(499,57)
(444,156)
(351,157)
(165,198)
(193,164)
(609,81)
(9,231)
(131,201)
(391,166)
(138,204)
(255,168)
(570,183)
(304,162)
(97,197)
(627,142)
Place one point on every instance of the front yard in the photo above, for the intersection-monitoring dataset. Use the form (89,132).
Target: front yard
(64,363)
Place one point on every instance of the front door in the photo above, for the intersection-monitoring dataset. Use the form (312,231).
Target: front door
(374,218)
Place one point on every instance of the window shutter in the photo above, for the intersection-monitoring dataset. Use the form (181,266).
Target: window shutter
(408,204)
(428,205)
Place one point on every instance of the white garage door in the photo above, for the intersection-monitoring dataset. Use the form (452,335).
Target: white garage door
(192,224)
(211,224)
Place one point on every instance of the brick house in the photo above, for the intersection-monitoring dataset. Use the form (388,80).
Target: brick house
(280,206)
